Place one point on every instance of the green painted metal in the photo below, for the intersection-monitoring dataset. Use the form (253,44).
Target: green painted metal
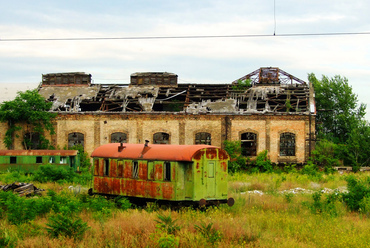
(30,163)
(205,177)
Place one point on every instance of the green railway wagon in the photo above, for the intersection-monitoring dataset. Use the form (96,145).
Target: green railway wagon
(29,160)
(174,174)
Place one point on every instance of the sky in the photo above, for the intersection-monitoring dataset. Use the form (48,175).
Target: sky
(194,60)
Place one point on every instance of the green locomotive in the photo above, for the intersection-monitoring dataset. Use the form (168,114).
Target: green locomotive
(29,160)
(175,174)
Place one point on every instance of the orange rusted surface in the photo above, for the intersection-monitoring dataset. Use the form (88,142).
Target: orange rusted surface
(96,167)
(127,171)
(224,166)
(120,169)
(151,152)
(143,171)
(116,186)
(223,155)
(211,154)
(38,152)
(198,155)
(167,190)
(158,171)
(113,168)
(101,167)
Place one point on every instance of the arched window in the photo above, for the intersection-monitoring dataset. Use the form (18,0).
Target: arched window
(203,138)
(287,144)
(75,139)
(161,138)
(118,137)
(249,144)
(32,140)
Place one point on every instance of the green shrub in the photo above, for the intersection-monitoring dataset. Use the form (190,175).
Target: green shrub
(66,225)
(208,232)
(167,224)
(237,160)
(357,190)
(53,173)
(262,162)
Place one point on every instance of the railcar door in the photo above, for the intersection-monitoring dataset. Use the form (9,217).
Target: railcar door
(211,178)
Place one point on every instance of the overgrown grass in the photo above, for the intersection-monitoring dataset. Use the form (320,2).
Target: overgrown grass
(271,219)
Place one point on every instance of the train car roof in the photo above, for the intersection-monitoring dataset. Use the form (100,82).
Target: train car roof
(38,152)
(150,152)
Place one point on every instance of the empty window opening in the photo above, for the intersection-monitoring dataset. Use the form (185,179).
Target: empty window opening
(249,144)
(52,160)
(75,139)
(135,170)
(167,171)
(32,141)
(161,138)
(203,138)
(63,160)
(287,144)
(106,167)
(13,160)
(118,137)
(38,160)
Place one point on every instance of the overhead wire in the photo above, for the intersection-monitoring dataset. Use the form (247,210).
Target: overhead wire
(183,37)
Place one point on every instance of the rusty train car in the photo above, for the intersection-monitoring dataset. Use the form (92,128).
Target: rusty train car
(170,174)
(29,160)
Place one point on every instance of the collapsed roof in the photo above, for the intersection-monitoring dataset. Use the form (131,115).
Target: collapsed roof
(267,89)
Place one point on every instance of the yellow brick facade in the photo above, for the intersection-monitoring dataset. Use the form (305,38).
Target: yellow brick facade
(97,129)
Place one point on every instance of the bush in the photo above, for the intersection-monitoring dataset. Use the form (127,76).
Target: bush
(66,225)
(358,190)
(237,160)
(262,163)
(53,173)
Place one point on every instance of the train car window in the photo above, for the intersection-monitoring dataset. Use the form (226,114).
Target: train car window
(167,171)
(135,170)
(38,160)
(52,160)
(211,169)
(63,160)
(13,160)
(106,167)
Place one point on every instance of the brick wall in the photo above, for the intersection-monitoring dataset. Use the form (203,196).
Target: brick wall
(182,128)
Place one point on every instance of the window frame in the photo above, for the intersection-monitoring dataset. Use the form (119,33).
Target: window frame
(285,147)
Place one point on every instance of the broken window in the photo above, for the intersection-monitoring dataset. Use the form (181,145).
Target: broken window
(249,144)
(287,144)
(167,171)
(38,160)
(63,160)
(135,170)
(161,138)
(75,139)
(51,160)
(203,138)
(106,167)
(118,137)
(13,160)
(32,141)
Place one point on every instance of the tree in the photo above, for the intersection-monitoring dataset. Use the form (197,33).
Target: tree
(337,107)
(340,119)
(28,108)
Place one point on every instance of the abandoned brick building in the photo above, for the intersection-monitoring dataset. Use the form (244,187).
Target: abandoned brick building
(267,109)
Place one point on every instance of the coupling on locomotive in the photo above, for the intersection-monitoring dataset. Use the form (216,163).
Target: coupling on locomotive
(173,174)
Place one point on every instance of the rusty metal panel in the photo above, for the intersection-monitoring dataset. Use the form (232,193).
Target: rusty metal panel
(158,171)
(101,167)
(120,169)
(168,190)
(143,170)
(113,168)
(127,171)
